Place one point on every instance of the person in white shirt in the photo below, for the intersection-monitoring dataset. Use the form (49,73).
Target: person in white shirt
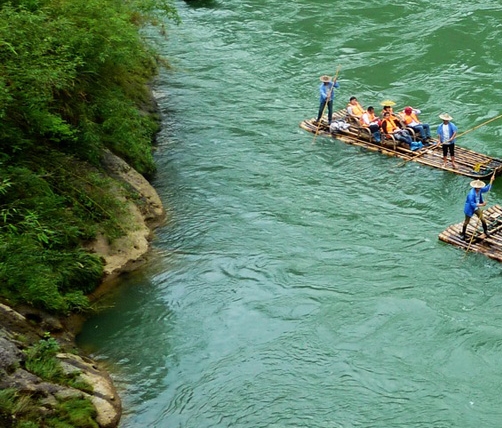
(372,122)
(410,120)
(447,133)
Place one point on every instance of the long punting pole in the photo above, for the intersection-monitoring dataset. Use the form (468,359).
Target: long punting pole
(479,126)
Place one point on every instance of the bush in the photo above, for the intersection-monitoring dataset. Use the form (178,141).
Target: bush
(73,83)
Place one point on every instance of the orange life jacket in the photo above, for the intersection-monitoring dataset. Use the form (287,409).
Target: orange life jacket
(408,118)
(390,127)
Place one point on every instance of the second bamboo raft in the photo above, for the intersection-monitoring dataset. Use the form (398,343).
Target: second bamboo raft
(490,247)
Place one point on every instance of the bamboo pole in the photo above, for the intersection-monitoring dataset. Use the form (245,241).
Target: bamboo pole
(479,126)
(421,153)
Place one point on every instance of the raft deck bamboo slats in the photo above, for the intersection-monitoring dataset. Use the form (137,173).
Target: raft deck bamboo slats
(469,163)
(491,247)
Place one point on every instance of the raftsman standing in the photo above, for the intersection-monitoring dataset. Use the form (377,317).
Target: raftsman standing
(474,204)
(326,91)
(447,133)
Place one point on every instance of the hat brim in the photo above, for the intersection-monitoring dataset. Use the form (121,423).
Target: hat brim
(387,103)
(477,184)
(445,117)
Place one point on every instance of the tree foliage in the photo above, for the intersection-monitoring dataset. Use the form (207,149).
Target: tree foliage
(71,73)
(73,79)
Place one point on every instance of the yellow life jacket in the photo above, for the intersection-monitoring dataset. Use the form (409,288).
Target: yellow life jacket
(357,110)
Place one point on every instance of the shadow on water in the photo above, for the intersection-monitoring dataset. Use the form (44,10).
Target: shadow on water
(196,4)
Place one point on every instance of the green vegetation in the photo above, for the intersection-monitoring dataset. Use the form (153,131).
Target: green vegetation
(73,82)
(41,360)
(23,409)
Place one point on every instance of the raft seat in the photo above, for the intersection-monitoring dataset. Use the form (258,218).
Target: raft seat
(390,141)
(412,133)
(362,134)
(349,119)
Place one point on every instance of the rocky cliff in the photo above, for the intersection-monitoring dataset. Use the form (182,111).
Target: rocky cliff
(24,328)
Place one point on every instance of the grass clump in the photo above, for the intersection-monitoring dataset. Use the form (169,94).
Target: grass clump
(41,360)
(24,411)
(73,413)
(30,411)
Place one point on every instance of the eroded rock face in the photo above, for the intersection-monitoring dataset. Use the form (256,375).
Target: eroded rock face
(10,355)
(104,396)
(152,210)
(26,326)
(128,252)
(14,375)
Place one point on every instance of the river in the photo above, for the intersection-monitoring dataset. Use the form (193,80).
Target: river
(300,282)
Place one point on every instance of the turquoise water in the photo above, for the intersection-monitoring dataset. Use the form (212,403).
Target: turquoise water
(300,282)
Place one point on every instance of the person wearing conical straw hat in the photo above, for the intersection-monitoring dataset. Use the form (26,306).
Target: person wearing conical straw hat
(387,107)
(327,95)
(474,204)
(447,133)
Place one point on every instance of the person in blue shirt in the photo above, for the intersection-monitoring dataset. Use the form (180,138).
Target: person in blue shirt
(474,204)
(327,95)
(447,133)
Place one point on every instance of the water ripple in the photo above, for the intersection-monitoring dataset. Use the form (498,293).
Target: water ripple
(299,281)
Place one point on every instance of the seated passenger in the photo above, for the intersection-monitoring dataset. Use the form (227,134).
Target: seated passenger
(369,120)
(390,110)
(386,108)
(410,119)
(354,109)
(391,127)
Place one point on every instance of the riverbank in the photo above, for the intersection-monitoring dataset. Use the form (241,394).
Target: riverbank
(24,328)
(78,120)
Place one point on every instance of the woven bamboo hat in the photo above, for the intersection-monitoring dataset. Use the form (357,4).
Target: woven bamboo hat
(325,78)
(477,184)
(445,116)
(389,103)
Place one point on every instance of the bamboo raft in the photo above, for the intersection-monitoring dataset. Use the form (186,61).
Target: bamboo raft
(476,241)
(469,163)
